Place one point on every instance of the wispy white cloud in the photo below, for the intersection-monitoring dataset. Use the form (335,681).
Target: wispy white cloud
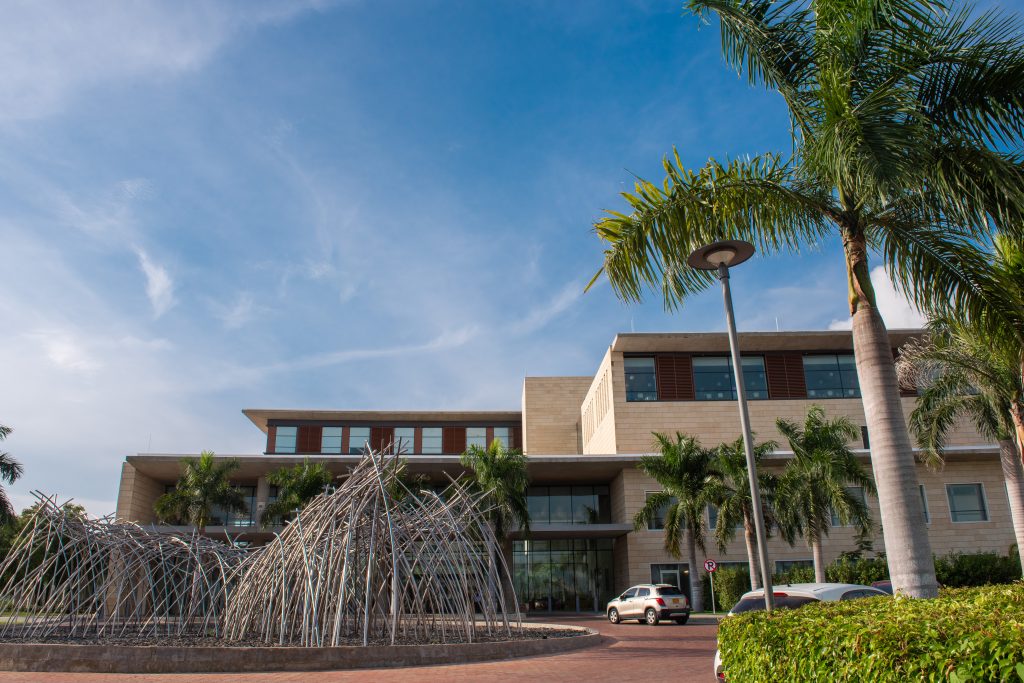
(238,314)
(52,50)
(159,285)
(896,310)
(540,316)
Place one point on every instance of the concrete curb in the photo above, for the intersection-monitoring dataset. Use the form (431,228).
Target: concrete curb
(157,659)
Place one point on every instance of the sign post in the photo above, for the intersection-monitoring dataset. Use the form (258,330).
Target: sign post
(710,566)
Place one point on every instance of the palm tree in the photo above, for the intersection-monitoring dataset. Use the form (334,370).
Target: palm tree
(814,483)
(687,474)
(296,486)
(963,372)
(501,473)
(204,484)
(906,117)
(10,471)
(731,493)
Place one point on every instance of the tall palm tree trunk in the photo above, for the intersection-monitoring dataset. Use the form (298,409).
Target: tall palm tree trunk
(1013,474)
(750,536)
(696,590)
(818,553)
(908,550)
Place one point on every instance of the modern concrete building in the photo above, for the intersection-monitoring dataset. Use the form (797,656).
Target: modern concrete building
(584,437)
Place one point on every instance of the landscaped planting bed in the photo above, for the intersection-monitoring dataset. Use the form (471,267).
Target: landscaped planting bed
(966,634)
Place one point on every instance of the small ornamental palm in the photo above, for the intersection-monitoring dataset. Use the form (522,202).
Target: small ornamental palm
(296,486)
(501,473)
(688,477)
(964,372)
(204,484)
(814,483)
(731,493)
(907,119)
(10,471)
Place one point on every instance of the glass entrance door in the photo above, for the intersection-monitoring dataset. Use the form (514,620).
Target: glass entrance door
(670,576)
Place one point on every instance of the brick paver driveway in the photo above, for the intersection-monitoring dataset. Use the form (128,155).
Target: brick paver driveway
(633,652)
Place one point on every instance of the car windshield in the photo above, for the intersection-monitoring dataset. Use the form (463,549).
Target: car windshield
(756,602)
(669,590)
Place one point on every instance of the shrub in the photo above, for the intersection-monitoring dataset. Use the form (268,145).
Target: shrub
(730,584)
(966,634)
(863,571)
(976,569)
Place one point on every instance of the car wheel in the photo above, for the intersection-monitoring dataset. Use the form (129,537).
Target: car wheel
(682,620)
(651,616)
(613,615)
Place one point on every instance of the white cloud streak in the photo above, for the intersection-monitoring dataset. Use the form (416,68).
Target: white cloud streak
(159,285)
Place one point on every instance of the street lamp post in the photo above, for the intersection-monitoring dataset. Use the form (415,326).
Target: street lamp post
(719,257)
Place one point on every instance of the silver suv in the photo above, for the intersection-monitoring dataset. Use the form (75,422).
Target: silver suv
(650,603)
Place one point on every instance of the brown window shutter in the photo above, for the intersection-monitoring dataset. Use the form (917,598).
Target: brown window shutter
(308,439)
(488,435)
(795,375)
(674,377)
(785,373)
(381,437)
(515,437)
(417,440)
(453,440)
(271,438)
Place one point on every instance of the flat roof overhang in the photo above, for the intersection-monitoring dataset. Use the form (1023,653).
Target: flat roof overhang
(541,532)
(750,342)
(261,416)
(543,469)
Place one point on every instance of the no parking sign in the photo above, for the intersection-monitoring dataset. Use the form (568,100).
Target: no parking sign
(710,566)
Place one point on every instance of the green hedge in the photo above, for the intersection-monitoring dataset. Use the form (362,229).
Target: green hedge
(966,634)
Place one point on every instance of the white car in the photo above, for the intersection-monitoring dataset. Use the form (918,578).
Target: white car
(789,596)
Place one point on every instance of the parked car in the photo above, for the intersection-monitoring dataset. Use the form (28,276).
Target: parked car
(884,586)
(791,596)
(650,603)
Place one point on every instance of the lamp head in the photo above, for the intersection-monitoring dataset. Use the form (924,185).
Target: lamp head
(728,253)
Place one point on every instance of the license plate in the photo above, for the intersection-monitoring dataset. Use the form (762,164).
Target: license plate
(675,601)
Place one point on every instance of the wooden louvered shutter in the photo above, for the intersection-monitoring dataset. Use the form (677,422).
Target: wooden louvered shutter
(381,437)
(515,437)
(308,439)
(674,377)
(271,438)
(785,373)
(453,440)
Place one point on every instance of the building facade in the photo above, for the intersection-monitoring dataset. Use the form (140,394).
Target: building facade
(584,437)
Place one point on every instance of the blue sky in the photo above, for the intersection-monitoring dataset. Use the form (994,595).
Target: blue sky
(354,205)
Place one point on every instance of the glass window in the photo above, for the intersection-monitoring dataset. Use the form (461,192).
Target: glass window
(659,518)
(924,504)
(357,438)
(220,516)
(967,502)
(713,520)
(561,504)
(431,437)
(284,442)
(330,440)
(476,436)
(858,493)
(782,566)
(538,504)
(643,592)
(405,439)
(570,574)
(755,603)
(501,434)
(713,378)
(631,593)
(640,381)
(831,377)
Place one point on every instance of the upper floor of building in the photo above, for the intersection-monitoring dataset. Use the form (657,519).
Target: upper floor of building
(663,382)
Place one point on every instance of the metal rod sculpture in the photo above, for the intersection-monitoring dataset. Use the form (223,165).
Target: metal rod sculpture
(374,561)
(371,561)
(67,575)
